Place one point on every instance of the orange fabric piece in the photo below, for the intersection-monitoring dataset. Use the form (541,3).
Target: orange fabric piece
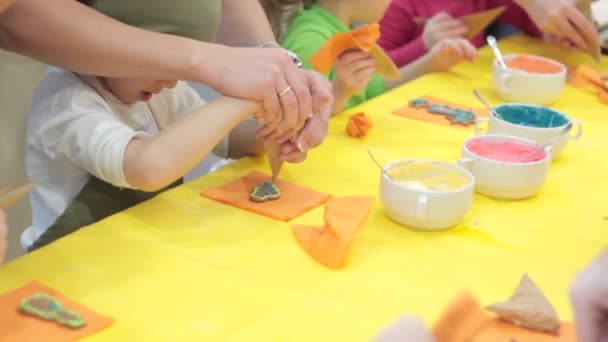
(18,327)
(424,115)
(344,218)
(362,38)
(466,321)
(294,201)
(478,22)
(358,125)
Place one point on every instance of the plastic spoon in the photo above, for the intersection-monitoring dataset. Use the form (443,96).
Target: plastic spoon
(492,43)
(380,166)
(554,139)
(490,108)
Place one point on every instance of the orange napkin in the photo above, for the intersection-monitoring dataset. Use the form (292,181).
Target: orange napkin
(424,115)
(295,200)
(15,326)
(344,218)
(585,76)
(363,38)
(466,320)
(479,21)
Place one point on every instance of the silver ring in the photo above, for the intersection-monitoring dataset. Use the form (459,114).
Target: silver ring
(285,91)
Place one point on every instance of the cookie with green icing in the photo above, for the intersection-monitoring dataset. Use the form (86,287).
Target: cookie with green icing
(49,308)
(265,191)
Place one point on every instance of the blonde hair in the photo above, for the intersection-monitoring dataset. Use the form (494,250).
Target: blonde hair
(280,12)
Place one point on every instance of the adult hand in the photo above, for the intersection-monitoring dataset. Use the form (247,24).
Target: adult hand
(268,76)
(450,52)
(561,19)
(440,27)
(315,129)
(407,328)
(589,295)
(3,234)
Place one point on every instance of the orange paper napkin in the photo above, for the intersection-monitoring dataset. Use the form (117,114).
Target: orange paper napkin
(466,320)
(478,22)
(344,218)
(15,326)
(295,200)
(424,115)
(362,38)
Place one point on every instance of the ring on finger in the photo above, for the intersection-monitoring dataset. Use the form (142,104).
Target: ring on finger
(285,91)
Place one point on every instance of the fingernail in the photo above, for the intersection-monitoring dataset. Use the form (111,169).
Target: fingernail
(302,146)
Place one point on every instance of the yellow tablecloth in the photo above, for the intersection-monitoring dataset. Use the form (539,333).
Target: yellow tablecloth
(185,268)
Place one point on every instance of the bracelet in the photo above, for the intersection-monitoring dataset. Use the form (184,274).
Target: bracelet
(294,57)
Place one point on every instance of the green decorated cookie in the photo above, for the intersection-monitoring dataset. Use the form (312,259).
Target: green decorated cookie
(49,308)
(265,191)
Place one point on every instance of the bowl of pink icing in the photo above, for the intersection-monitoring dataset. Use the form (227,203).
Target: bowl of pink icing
(505,166)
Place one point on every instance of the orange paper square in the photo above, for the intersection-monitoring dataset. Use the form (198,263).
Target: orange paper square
(295,200)
(465,320)
(423,114)
(18,327)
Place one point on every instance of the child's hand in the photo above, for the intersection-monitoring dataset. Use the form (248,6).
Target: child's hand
(353,71)
(440,27)
(555,40)
(450,52)
(589,294)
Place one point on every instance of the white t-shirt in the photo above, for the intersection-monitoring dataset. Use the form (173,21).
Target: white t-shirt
(77,129)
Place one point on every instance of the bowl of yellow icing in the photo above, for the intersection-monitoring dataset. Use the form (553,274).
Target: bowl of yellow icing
(426,194)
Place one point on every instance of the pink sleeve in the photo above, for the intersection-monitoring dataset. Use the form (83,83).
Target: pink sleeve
(516,16)
(400,35)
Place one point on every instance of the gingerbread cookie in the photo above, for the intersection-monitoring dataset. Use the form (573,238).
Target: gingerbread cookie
(265,191)
(46,307)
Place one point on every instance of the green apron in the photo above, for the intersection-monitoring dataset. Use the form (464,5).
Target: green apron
(194,19)
(96,201)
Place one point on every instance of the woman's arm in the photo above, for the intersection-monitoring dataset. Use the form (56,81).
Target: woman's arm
(244,23)
(151,163)
(70,35)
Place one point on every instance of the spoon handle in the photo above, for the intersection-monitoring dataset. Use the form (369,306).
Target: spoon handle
(380,166)
(494,46)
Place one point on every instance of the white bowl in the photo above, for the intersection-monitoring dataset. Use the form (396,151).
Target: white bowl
(426,209)
(521,86)
(506,180)
(541,135)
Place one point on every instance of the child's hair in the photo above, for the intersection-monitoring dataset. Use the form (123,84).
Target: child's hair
(280,12)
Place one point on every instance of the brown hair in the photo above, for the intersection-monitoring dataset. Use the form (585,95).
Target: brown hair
(279,12)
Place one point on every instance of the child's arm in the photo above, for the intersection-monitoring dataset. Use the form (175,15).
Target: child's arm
(400,37)
(352,72)
(442,56)
(150,163)
(243,141)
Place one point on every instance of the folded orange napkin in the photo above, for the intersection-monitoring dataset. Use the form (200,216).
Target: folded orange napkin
(466,320)
(18,327)
(344,218)
(478,22)
(424,115)
(295,200)
(363,38)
